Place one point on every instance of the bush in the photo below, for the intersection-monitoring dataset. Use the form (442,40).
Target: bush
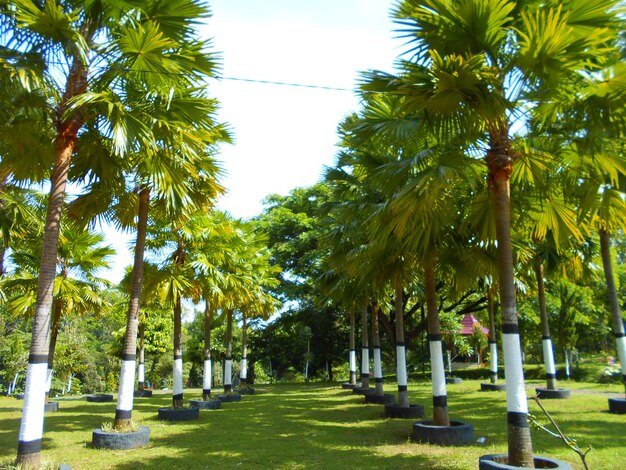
(291,376)
(341,371)
(111,383)
(260,374)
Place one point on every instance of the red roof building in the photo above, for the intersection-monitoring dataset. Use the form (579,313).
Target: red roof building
(467,325)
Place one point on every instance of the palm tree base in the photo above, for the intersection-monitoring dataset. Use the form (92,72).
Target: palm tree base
(617,405)
(51,406)
(549,394)
(120,440)
(489,387)
(229,397)
(349,386)
(457,434)
(386,399)
(499,461)
(99,397)
(206,404)
(178,414)
(402,412)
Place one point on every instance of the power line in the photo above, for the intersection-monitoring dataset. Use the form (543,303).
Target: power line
(272,82)
(236,79)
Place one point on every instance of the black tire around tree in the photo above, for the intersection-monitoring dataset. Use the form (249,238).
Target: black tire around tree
(206,404)
(489,387)
(617,405)
(547,394)
(229,397)
(100,398)
(412,412)
(120,440)
(386,399)
(499,461)
(51,406)
(179,414)
(458,433)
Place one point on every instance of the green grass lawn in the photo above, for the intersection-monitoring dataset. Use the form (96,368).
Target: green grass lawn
(317,426)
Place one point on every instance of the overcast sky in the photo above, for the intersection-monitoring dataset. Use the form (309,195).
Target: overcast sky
(285,135)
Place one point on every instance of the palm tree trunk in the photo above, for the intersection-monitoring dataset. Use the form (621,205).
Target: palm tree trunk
(493,343)
(548,351)
(208,368)
(403,390)
(124,408)
(177,386)
(2,255)
(54,334)
(141,377)
(520,451)
(228,360)
(365,349)
(616,317)
(352,348)
(438,373)
(243,372)
(31,426)
(378,368)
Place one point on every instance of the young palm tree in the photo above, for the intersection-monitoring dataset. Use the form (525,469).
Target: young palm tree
(76,288)
(475,65)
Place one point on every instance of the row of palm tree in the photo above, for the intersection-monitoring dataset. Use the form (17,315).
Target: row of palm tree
(110,96)
(528,91)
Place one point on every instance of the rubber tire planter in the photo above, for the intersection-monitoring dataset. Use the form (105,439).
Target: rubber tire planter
(179,414)
(396,411)
(457,434)
(454,380)
(246,391)
(386,399)
(488,387)
(617,405)
(231,397)
(142,394)
(349,386)
(498,461)
(363,390)
(120,440)
(51,406)
(100,398)
(547,394)
(206,404)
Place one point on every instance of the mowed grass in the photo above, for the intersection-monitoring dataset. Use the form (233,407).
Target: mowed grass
(318,426)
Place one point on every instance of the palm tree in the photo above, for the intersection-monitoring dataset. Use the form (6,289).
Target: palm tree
(595,118)
(76,288)
(475,65)
(106,52)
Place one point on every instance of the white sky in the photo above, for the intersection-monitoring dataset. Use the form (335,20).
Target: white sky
(285,135)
